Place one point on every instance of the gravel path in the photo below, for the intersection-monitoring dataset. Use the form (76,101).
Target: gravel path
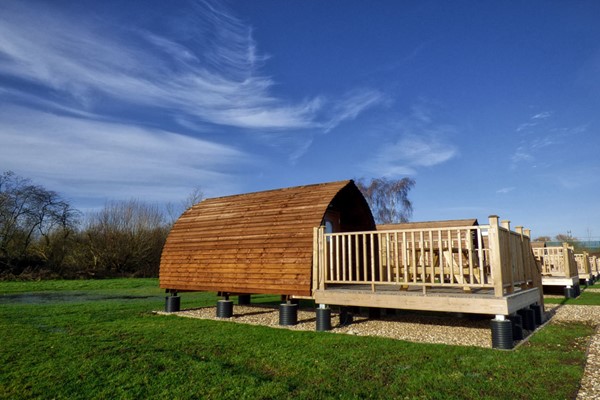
(413,327)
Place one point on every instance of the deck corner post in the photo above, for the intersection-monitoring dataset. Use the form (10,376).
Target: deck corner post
(495,256)
(224,308)
(288,314)
(502,333)
(323,318)
(172,302)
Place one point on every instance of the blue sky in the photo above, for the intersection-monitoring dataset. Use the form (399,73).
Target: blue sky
(492,107)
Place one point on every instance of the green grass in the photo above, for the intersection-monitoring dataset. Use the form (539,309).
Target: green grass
(586,298)
(85,341)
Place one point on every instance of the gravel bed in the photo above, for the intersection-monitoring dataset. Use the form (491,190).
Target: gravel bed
(449,329)
(464,331)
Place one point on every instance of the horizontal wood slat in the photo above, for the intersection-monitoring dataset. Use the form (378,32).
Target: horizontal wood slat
(250,243)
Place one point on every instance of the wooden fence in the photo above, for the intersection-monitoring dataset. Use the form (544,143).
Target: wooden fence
(557,261)
(468,257)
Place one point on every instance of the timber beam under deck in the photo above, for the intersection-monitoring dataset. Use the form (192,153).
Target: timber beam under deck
(443,302)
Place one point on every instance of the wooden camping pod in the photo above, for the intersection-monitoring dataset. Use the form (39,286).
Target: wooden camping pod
(258,242)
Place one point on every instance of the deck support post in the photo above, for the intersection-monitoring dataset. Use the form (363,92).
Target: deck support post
(517,324)
(502,333)
(569,292)
(528,318)
(244,299)
(224,306)
(374,313)
(288,313)
(537,314)
(172,302)
(345,316)
(323,318)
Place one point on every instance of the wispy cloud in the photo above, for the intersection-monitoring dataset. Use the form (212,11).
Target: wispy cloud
(420,142)
(209,68)
(95,159)
(540,140)
(542,115)
(534,120)
(505,190)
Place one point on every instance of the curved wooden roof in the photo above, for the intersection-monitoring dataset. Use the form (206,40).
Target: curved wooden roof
(258,242)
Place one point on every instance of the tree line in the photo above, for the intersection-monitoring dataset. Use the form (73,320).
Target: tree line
(43,236)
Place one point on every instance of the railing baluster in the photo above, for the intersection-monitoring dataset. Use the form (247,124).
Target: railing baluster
(365,264)
(413,256)
(372,262)
(330,246)
(460,256)
(431,264)
(480,256)
(344,266)
(396,257)
(387,255)
(337,258)
(441,256)
(405,263)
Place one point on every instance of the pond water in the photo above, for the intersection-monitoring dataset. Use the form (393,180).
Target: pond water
(55,297)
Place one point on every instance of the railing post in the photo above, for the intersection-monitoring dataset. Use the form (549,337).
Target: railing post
(495,256)
(316,270)
(510,271)
(322,257)
(567,261)
(537,273)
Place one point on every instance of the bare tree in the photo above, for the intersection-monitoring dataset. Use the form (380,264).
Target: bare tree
(564,237)
(388,199)
(542,239)
(124,238)
(29,214)
(174,211)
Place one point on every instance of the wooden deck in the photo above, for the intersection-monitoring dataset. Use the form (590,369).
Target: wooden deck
(484,269)
(444,299)
(558,265)
(583,266)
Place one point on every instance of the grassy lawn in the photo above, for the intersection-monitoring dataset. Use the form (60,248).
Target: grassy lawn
(586,298)
(99,339)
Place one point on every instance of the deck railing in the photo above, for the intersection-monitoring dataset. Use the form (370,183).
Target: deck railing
(557,261)
(486,256)
(583,263)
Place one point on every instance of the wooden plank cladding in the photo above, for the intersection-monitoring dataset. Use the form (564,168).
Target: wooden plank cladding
(257,242)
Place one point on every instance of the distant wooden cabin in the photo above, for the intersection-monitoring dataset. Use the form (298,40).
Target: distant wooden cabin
(258,242)
(558,264)
(584,268)
(321,242)
(595,266)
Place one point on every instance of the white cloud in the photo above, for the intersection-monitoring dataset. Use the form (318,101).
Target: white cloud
(410,152)
(505,190)
(208,71)
(418,141)
(534,120)
(542,115)
(94,159)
